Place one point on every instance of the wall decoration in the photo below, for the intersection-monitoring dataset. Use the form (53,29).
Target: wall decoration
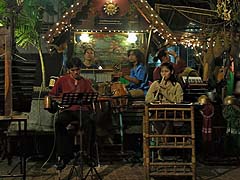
(111,48)
(110,8)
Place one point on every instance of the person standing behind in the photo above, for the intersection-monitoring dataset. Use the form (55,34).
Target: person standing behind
(89,59)
(72,82)
(138,78)
(167,89)
(163,55)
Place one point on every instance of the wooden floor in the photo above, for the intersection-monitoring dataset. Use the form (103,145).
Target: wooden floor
(119,170)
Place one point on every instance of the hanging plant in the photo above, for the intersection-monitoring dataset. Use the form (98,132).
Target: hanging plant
(28,27)
(224,9)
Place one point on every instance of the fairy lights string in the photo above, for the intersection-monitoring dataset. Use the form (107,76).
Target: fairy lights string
(155,23)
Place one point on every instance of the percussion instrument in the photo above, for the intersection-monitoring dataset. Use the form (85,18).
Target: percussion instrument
(104,89)
(118,89)
(119,97)
(97,75)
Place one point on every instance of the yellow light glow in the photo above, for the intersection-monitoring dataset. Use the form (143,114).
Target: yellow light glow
(84,38)
(132,37)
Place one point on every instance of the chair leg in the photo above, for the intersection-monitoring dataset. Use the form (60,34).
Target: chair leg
(97,155)
(121,130)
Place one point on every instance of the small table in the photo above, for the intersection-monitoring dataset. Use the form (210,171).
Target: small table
(22,135)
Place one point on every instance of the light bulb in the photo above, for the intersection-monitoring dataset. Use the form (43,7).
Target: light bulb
(132,37)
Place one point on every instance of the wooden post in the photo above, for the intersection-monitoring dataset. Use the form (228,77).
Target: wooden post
(148,45)
(8,73)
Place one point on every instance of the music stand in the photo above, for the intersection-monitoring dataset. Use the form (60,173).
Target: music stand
(69,99)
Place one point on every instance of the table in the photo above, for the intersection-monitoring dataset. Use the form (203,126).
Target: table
(20,119)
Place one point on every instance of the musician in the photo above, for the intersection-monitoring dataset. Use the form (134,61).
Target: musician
(180,67)
(72,82)
(163,56)
(166,89)
(138,79)
(89,59)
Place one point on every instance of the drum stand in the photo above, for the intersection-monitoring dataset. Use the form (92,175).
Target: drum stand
(82,99)
(120,103)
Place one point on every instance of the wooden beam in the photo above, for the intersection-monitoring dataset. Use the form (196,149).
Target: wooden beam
(8,73)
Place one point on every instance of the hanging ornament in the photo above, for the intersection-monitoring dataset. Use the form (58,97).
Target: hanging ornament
(20,2)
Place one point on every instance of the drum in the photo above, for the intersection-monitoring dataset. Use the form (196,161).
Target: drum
(118,89)
(104,89)
(119,97)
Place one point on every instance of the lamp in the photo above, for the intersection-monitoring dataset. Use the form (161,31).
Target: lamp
(132,37)
(84,38)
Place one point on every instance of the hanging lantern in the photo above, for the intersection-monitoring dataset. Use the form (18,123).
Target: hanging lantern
(229,100)
(203,99)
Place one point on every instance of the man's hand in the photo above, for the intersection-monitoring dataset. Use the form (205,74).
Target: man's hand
(172,53)
(125,71)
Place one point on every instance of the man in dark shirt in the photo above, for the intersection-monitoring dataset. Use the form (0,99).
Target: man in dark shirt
(72,82)
(89,59)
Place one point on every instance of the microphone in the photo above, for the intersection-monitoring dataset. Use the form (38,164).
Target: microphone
(78,77)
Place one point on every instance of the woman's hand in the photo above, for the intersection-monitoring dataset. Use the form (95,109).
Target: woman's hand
(162,84)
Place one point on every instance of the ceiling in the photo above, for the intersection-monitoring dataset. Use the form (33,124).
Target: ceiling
(190,19)
(205,4)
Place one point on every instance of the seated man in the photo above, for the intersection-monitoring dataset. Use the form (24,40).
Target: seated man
(138,79)
(72,82)
(89,59)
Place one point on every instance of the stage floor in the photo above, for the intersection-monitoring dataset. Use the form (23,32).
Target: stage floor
(118,170)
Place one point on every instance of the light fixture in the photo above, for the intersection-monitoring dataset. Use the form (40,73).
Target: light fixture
(84,37)
(132,37)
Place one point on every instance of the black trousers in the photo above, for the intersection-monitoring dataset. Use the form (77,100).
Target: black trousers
(64,142)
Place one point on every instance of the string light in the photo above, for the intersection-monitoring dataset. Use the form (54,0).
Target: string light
(160,28)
